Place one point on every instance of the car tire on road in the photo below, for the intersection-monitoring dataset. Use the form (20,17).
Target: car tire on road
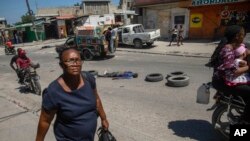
(178,81)
(149,44)
(87,55)
(154,77)
(138,43)
(175,73)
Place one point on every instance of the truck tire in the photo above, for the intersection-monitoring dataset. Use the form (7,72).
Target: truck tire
(149,44)
(87,55)
(138,43)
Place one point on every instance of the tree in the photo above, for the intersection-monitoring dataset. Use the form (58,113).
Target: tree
(27,18)
(77,4)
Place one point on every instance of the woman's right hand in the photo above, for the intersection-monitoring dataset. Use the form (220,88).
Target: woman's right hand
(105,124)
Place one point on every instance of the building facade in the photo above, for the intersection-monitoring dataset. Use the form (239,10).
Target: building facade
(163,14)
(96,7)
(208,19)
(59,20)
(3,23)
(201,19)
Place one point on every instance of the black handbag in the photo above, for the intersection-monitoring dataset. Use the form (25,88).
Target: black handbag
(105,135)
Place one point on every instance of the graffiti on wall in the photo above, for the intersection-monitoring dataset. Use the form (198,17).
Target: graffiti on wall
(232,17)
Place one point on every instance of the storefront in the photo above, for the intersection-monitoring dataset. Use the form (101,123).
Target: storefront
(163,15)
(209,18)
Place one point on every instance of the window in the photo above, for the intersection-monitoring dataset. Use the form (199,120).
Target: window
(126,30)
(179,19)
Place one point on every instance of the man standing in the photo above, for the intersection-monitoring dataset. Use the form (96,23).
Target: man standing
(174,34)
(113,39)
(108,38)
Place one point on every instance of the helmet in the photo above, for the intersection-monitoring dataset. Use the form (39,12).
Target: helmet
(22,53)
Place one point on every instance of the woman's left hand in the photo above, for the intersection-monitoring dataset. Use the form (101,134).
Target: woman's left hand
(105,124)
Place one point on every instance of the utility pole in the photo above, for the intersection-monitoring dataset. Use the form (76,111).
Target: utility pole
(124,9)
(31,15)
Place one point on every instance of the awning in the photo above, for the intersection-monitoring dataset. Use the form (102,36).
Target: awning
(65,17)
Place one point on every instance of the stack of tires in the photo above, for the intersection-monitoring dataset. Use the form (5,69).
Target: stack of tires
(174,79)
(177,79)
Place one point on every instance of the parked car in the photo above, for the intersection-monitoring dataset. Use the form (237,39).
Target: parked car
(136,35)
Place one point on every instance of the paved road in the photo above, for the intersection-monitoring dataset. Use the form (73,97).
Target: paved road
(137,110)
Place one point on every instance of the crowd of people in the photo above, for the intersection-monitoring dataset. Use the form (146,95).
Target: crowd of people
(16,37)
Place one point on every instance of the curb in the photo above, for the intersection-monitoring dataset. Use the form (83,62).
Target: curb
(171,54)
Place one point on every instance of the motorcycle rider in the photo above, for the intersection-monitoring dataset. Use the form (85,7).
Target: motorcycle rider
(226,67)
(9,45)
(13,62)
(23,64)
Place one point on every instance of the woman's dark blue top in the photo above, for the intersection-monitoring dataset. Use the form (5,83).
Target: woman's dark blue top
(76,118)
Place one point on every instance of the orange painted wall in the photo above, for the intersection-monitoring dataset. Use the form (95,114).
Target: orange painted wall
(212,19)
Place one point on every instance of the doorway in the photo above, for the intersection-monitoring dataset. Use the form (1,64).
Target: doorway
(180,16)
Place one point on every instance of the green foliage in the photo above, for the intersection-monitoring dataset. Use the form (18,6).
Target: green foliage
(77,4)
(17,23)
(27,18)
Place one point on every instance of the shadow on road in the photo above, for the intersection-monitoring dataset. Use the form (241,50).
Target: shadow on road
(99,58)
(25,90)
(199,130)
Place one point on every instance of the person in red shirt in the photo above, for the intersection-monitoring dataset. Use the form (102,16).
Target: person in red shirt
(23,64)
(9,44)
(13,62)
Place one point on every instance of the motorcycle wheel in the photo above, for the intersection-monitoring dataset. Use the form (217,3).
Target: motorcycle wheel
(36,86)
(221,119)
(6,51)
(14,52)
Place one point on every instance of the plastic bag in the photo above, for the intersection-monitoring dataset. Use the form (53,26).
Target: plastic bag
(105,135)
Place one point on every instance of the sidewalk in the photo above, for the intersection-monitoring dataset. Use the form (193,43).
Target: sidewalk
(189,49)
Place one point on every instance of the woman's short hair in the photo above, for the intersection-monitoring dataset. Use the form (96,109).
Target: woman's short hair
(65,49)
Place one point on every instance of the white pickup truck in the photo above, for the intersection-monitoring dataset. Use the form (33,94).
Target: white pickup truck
(136,35)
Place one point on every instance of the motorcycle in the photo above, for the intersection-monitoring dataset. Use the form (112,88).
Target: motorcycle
(31,79)
(227,110)
(10,50)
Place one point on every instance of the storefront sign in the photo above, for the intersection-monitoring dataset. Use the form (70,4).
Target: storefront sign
(196,20)
(210,2)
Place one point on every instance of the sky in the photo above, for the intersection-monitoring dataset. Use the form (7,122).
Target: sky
(12,10)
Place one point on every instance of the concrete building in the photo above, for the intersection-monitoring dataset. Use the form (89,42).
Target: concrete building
(96,7)
(59,20)
(163,14)
(208,19)
(201,19)
(3,23)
